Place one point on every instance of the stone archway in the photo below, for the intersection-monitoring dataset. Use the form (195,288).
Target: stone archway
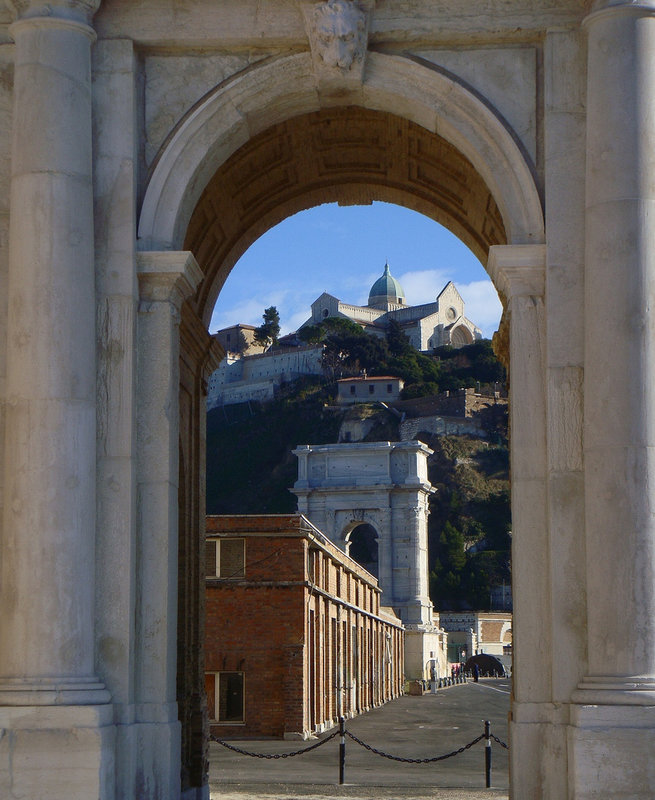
(224,179)
(461,336)
(92,366)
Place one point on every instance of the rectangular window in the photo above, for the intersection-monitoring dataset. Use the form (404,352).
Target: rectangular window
(371,388)
(225,696)
(225,558)
(389,388)
(352,390)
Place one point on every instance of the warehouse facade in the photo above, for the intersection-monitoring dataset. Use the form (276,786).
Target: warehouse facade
(295,634)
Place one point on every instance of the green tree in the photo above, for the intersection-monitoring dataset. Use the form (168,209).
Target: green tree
(269,331)
(397,341)
(446,576)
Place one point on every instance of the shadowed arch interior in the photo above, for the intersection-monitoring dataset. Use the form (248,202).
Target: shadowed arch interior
(349,155)
(363,547)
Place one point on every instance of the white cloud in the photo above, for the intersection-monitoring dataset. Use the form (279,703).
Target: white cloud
(248,311)
(482,305)
(423,286)
(293,322)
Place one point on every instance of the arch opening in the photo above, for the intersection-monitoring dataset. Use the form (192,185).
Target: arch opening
(362,546)
(348,154)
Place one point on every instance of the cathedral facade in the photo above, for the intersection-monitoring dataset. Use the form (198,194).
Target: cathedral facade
(426,326)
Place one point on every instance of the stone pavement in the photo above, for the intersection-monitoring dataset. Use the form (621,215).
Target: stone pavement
(410,727)
(254,791)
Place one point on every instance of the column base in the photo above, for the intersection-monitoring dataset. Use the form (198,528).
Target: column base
(538,751)
(53,691)
(625,690)
(611,752)
(421,641)
(196,793)
(57,752)
(158,741)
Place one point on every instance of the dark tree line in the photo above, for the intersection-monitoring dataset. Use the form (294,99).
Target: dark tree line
(349,350)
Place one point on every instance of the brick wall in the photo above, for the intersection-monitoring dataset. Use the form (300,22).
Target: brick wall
(302,626)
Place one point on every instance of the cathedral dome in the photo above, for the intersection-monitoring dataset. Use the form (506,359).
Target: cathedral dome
(386,290)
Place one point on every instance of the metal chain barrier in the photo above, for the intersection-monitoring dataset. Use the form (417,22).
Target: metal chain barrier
(498,741)
(274,755)
(414,760)
(342,732)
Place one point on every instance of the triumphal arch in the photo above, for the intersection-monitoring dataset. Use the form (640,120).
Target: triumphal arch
(383,485)
(143,146)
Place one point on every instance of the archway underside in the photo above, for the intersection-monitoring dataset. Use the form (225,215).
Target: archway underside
(349,155)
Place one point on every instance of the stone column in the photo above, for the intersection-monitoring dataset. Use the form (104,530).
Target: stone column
(52,706)
(615,720)
(166,279)
(47,586)
(518,272)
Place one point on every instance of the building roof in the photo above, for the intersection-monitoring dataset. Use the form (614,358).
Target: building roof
(386,288)
(370,378)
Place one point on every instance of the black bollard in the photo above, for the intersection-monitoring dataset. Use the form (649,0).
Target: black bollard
(487,754)
(342,752)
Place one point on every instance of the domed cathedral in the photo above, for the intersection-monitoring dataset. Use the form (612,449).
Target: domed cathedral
(386,293)
(426,326)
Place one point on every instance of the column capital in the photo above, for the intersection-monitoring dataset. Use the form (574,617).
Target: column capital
(167,276)
(74,10)
(518,269)
(603,8)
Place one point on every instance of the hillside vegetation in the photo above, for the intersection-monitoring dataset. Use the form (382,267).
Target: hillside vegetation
(251,467)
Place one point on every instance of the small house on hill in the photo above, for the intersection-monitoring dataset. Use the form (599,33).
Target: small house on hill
(363,389)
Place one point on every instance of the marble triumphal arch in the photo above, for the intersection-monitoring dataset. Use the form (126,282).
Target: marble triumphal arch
(384,486)
(143,146)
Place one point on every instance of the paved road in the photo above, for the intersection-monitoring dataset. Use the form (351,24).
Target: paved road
(410,727)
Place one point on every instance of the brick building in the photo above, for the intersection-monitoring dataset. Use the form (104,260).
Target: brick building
(295,636)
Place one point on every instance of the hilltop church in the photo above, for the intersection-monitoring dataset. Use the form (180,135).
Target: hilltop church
(426,326)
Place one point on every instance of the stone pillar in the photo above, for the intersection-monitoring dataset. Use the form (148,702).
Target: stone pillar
(166,279)
(385,554)
(564,155)
(518,272)
(114,177)
(47,584)
(614,722)
(199,357)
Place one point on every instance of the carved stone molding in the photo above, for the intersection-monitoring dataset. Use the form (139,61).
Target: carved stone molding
(78,10)
(597,8)
(338,39)
(167,276)
(518,269)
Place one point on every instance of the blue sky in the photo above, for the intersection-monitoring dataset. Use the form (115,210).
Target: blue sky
(342,250)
